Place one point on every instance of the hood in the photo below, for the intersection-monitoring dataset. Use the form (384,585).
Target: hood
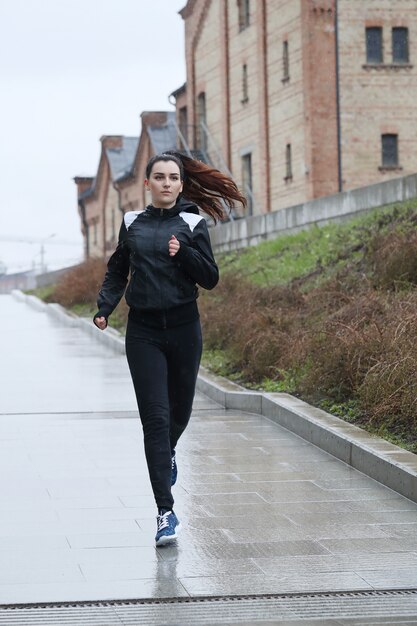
(187,206)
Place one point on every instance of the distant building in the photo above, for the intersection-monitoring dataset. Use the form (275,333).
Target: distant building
(118,184)
(301,98)
(98,199)
(297,99)
(158,133)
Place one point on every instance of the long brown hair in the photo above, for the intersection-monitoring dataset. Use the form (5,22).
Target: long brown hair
(202,184)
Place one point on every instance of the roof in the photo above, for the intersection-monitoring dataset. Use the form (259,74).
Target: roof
(179,91)
(164,137)
(87,192)
(121,159)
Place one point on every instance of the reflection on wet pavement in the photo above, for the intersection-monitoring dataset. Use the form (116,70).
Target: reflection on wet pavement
(262,510)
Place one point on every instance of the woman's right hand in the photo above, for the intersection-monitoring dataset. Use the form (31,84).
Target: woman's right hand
(100,322)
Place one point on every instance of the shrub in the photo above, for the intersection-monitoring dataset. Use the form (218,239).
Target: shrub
(79,285)
(388,393)
(254,324)
(393,260)
(344,347)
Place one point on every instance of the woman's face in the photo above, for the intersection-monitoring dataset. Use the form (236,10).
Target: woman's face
(164,183)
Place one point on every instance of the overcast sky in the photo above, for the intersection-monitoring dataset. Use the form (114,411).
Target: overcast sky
(72,71)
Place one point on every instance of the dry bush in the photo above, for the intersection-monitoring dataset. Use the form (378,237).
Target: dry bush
(388,394)
(254,324)
(393,259)
(359,346)
(343,346)
(80,285)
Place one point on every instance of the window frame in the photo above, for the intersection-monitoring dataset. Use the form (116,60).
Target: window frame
(389,161)
(374,60)
(285,61)
(201,117)
(247,180)
(288,163)
(245,84)
(406,59)
(243,14)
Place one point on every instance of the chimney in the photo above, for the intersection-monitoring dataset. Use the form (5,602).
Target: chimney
(83,183)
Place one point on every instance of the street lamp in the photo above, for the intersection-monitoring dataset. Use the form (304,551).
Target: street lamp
(43,267)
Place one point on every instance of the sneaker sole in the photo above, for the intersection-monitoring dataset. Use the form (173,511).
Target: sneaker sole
(168,538)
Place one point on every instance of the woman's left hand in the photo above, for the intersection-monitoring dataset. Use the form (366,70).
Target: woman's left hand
(173,246)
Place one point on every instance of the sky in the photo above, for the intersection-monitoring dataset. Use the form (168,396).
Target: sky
(70,72)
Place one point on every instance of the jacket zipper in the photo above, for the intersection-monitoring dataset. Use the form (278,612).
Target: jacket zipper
(159,222)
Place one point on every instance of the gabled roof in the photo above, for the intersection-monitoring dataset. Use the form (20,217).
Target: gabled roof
(121,159)
(164,137)
(88,192)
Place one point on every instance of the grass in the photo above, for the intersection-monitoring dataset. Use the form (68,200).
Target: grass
(317,253)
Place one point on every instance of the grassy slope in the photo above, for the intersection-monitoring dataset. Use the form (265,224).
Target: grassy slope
(318,251)
(371,258)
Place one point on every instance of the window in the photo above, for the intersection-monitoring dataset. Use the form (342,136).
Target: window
(247,181)
(374,53)
(183,123)
(389,151)
(113,225)
(288,162)
(202,120)
(400,45)
(245,92)
(285,61)
(244,14)
(95,233)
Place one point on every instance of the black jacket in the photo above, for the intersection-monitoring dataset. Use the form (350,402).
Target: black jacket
(159,282)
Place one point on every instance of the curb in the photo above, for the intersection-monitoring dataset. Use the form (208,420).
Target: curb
(383,461)
(111,338)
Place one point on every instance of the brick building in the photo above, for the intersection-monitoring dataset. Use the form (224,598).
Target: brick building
(158,133)
(118,185)
(297,99)
(301,98)
(98,198)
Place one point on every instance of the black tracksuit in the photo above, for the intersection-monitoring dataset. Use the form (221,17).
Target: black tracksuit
(163,335)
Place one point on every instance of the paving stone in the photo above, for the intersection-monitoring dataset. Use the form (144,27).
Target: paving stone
(262,510)
(391,578)
(389,544)
(112,540)
(281,583)
(338,562)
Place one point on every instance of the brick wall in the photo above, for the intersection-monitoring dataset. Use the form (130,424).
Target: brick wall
(379,99)
(300,109)
(286,105)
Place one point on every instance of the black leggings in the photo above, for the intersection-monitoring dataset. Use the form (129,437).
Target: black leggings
(164,366)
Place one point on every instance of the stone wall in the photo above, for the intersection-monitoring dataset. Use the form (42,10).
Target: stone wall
(335,208)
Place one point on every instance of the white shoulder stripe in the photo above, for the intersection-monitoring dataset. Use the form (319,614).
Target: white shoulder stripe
(191,219)
(130,217)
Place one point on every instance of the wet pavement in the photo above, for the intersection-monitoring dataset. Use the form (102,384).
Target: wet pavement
(263,511)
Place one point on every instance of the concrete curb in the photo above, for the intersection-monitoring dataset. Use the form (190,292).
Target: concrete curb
(111,338)
(388,464)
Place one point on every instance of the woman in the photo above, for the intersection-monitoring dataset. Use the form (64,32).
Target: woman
(167,250)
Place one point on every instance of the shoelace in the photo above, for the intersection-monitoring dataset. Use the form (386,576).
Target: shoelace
(163,520)
(173,461)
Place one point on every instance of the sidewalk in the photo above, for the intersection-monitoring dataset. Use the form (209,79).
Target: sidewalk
(263,511)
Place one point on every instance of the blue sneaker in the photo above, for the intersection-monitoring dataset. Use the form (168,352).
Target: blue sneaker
(168,527)
(174,469)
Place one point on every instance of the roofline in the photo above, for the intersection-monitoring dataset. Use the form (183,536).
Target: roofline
(181,89)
